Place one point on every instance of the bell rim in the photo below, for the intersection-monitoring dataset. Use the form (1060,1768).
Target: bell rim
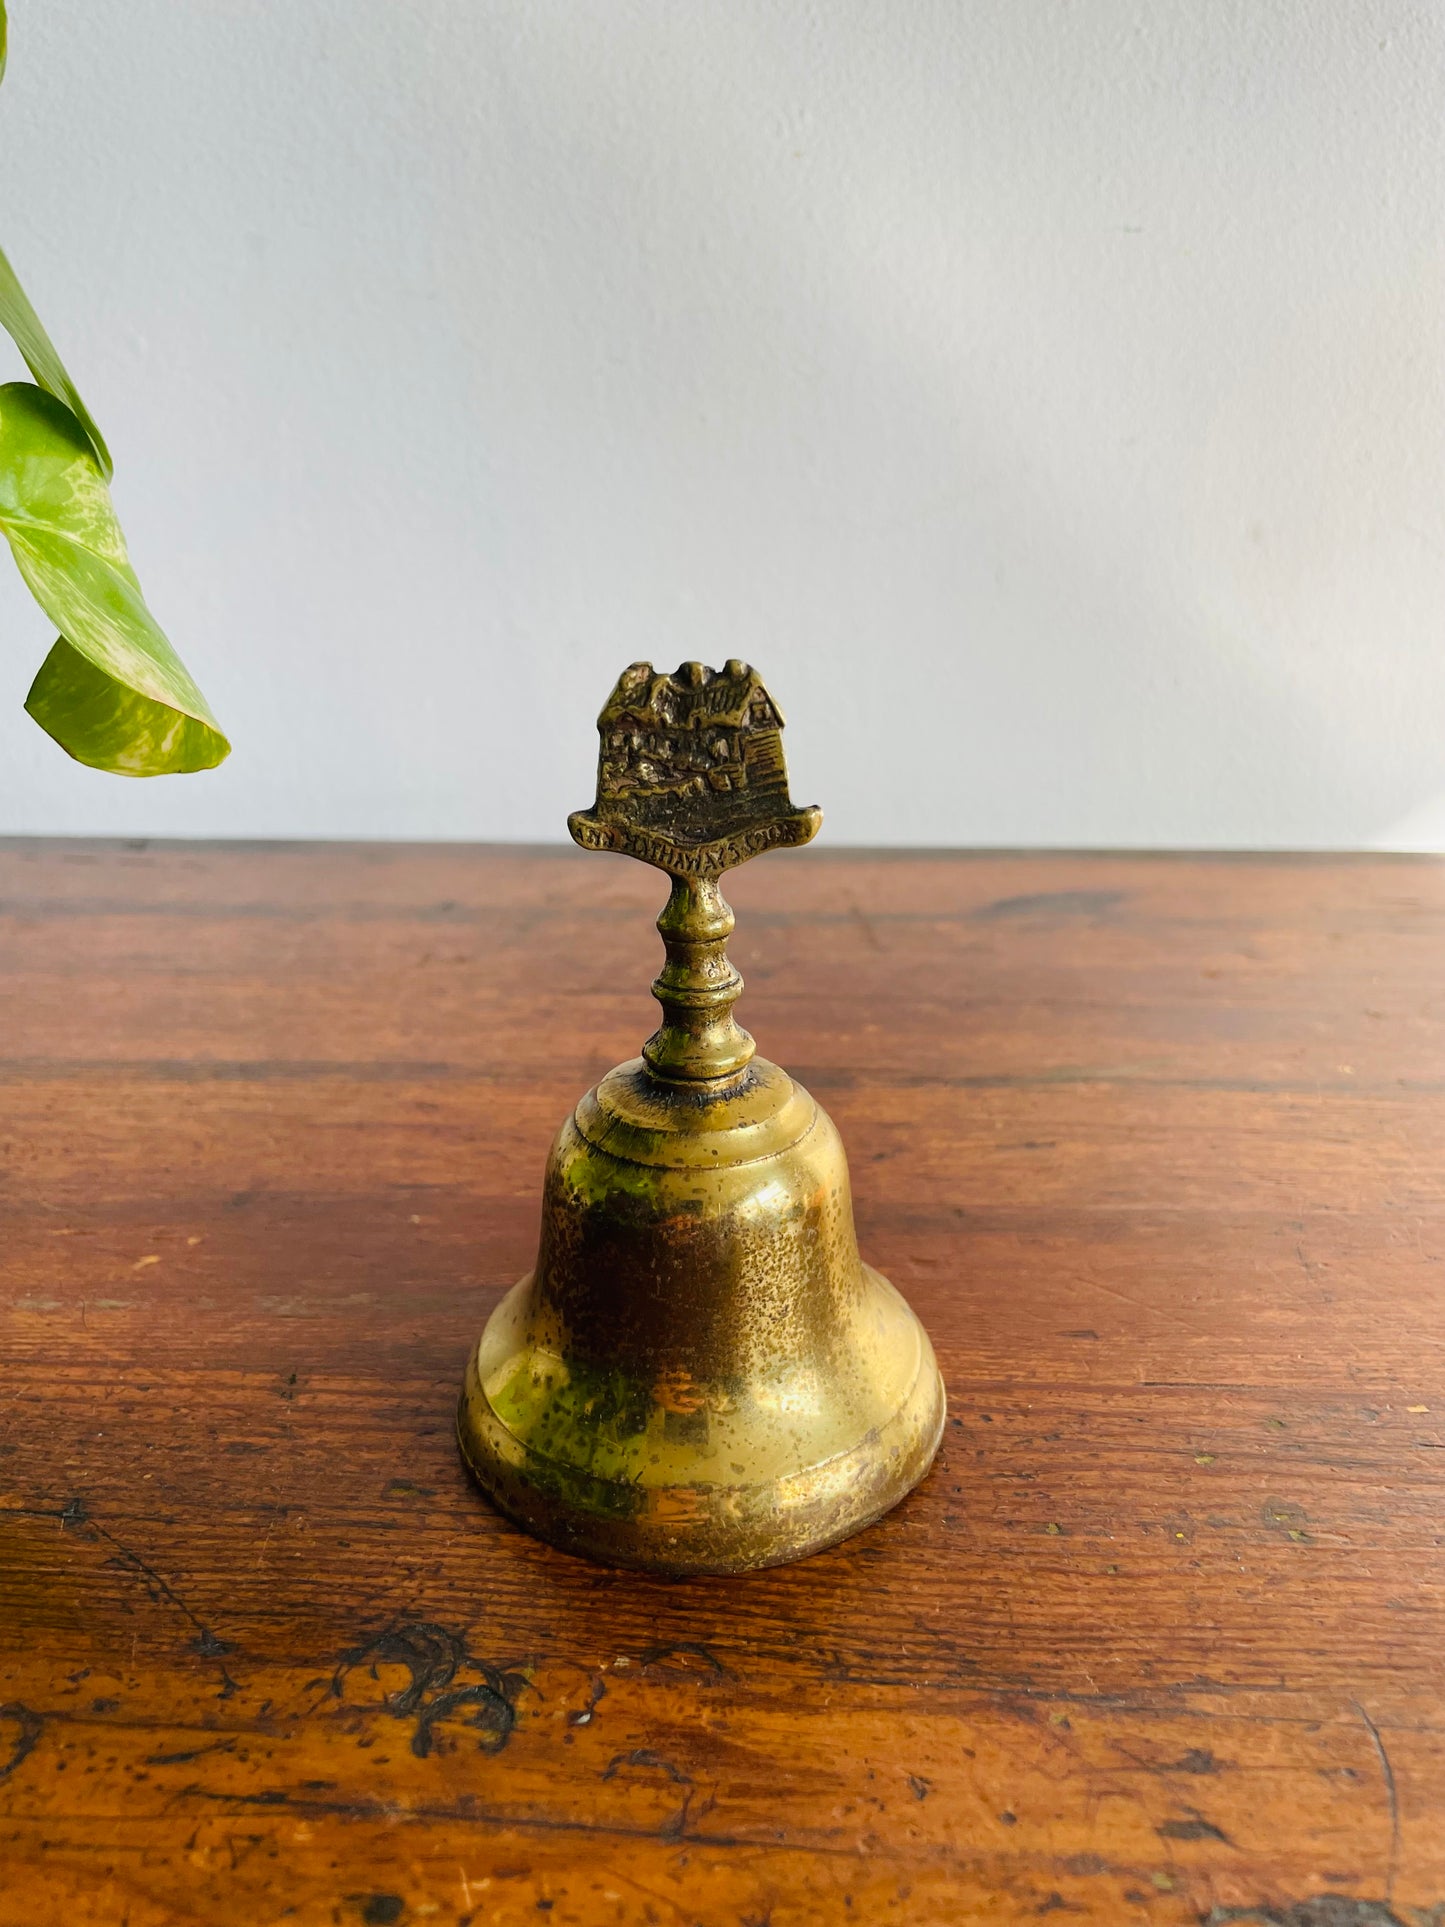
(735,1528)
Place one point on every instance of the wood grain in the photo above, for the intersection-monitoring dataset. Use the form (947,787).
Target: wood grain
(1156,1147)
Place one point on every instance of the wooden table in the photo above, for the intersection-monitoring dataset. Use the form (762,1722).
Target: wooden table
(1155,1145)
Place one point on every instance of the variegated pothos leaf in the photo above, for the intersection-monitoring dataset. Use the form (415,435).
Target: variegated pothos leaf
(112,691)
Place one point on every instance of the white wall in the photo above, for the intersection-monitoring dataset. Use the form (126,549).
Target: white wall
(1047,395)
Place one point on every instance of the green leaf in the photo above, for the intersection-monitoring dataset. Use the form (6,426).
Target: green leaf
(22,324)
(112,692)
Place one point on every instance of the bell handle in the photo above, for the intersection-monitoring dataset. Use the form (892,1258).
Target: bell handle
(699,1041)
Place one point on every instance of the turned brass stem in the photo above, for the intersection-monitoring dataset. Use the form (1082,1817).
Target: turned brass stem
(699,1041)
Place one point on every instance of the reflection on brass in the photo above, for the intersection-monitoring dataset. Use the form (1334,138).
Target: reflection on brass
(700,1374)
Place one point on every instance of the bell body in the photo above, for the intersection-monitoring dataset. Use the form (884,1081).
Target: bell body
(700,1375)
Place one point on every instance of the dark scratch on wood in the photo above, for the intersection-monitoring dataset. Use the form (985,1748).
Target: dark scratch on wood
(656,1657)
(190,1753)
(1319,1910)
(1194,1828)
(29,1725)
(1392,1790)
(643,1756)
(675,1826)
(433,1656)
(207,1644)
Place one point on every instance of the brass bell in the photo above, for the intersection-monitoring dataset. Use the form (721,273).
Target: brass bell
(701,1374)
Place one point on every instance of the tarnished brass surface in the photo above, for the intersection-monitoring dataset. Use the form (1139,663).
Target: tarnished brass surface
(700,1374)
